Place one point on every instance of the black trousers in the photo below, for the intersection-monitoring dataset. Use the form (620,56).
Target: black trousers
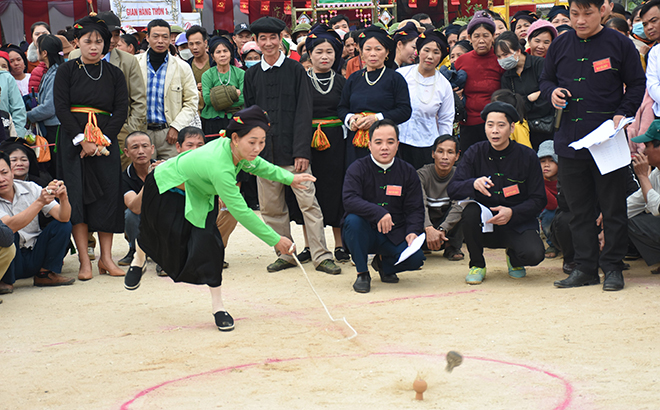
(585,189)
(644,231)
(561,236)
(523,248)
(471,134)
(415,156)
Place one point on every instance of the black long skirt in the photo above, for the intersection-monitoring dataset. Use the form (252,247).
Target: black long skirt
(187,253)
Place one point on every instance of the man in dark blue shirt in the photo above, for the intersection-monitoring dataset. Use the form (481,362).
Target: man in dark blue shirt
(384,209)
(585,74)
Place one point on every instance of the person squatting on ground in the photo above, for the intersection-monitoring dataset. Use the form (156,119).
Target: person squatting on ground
(644,205)
(39,252)
(179,207)
(442,215)
(384,209)
(505,177)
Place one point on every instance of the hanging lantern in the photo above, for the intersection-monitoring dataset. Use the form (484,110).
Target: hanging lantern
(433,3)
(412,4)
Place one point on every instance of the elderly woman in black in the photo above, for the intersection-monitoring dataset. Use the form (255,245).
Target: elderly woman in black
(373,93)
(90,91)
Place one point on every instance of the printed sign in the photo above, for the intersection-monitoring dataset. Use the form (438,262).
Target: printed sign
(139,13)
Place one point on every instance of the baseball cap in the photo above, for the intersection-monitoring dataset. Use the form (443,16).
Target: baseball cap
(241,27)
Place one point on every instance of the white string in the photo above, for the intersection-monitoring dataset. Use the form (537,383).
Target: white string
(355,333)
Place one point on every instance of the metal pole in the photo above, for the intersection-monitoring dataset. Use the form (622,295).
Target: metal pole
(445,5)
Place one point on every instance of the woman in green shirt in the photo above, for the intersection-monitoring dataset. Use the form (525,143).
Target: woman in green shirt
(222,88)
(179,206)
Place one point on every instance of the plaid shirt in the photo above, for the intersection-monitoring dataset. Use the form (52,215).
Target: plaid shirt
(156,92)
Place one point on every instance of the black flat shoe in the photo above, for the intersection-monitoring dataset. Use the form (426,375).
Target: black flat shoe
(613,281)
(578,278)
(362,283)
(224,321)
(134,276)
(305,256)
(377,264)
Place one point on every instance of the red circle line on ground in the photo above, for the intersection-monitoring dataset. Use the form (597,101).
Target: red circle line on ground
(566,400)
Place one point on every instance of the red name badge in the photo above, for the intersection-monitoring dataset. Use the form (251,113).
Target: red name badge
(602,65)
(393,190)
(511,191)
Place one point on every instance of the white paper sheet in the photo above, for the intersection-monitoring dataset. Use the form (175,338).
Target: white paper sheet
(608,146)
(486,215)
(412,248)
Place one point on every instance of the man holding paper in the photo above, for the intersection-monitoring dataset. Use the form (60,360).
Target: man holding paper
(384,210)
(585,74)
(504,177)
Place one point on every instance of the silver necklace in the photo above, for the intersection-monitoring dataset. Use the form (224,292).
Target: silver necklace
(419,94)
(92,78)
(319,84)
(371,83)
(228,79)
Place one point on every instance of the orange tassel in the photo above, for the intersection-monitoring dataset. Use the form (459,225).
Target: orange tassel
(93,133)
(320,140)
(361,139)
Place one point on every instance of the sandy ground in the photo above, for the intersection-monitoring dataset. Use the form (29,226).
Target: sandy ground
(527,345)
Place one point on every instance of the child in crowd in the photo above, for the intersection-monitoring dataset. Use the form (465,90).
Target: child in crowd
(520,133)
(549,166)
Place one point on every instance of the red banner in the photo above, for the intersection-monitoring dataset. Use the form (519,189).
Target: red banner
(245,6)
(412,4)
(455,2)
(220,6)
(265,7)
(287,8)
(199,4)
(433,3)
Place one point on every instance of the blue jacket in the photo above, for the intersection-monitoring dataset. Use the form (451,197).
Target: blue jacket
(45,111)
(12,101)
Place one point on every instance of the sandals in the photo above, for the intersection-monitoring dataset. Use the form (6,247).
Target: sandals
(224,321)
(453,254)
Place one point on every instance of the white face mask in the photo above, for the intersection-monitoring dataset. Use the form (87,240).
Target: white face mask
(186,54)
(32,53)
(292,45)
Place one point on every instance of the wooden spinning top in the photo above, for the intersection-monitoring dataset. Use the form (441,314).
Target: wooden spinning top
(419,386)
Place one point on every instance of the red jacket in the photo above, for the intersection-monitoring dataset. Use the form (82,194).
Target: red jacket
(484,77)
(551,193)
(35,77)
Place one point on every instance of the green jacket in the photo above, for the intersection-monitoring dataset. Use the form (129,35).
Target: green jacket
(210,79)
(210,171)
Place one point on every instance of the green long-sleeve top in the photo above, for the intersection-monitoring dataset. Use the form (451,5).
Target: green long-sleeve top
(212,78)
(210,171)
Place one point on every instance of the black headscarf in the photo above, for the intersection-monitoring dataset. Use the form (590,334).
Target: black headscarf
(247,119)
(406,33)
(438,37)
(215,41)
(321,33)
(383,38)
(89,24)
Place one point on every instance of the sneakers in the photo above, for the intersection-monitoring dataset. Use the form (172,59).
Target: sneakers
(126,260)
(329,266)
(224,321)
(341,255)
(280,264)
(476,276)
(362,283)
(305,256)
(51,279)
(515,272)
(90,253)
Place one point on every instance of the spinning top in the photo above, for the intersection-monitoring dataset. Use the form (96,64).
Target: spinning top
(419,386)
(454,359)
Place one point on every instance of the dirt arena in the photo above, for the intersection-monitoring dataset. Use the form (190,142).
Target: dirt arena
(526,345)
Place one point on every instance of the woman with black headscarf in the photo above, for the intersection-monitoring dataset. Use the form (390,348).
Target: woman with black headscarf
(222,87)
(432,101)
(90,91)
(325,49)
(373,93)
(179,207)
